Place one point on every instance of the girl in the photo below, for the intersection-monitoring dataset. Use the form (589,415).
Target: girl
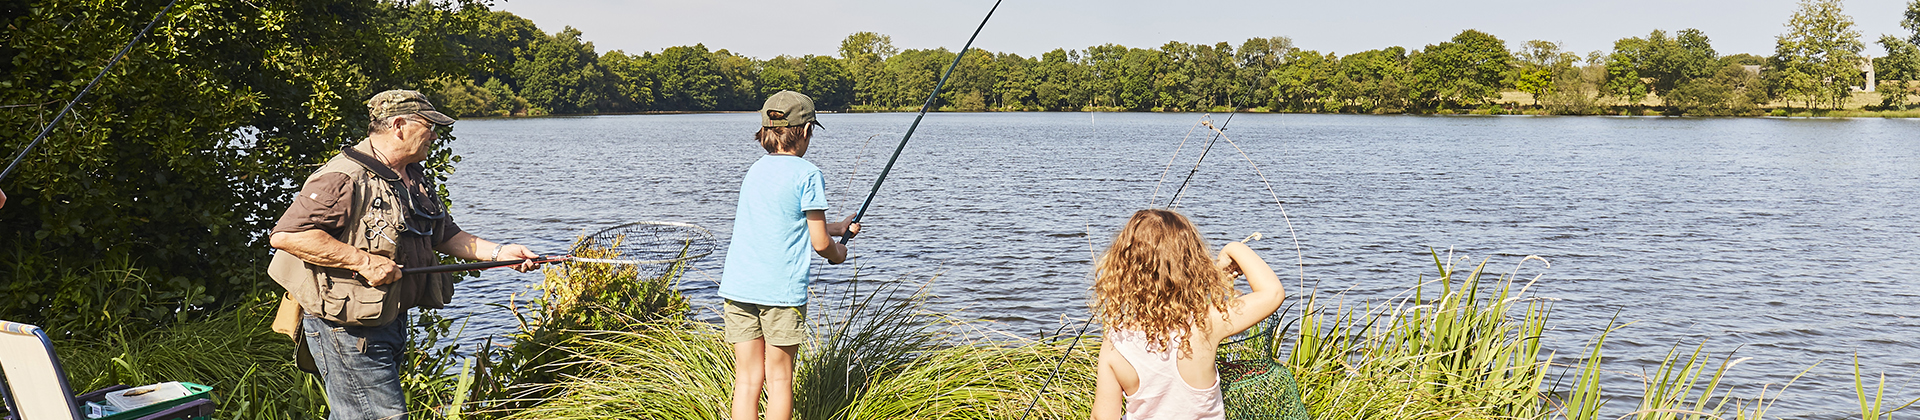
(1166,304)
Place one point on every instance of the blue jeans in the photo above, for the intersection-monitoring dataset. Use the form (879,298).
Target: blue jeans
(360,367)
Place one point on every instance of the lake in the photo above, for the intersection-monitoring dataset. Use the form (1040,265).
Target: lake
(1790,240)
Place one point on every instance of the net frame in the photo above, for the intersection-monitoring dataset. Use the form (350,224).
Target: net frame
(695,242)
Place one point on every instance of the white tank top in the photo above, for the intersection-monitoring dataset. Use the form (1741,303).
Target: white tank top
(1162,394)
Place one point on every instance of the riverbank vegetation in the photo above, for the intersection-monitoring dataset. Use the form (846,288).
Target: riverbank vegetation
(1818,63)
(256,93)
(135,233)
(1464,343)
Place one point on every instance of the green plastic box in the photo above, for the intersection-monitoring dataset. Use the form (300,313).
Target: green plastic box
(195,392)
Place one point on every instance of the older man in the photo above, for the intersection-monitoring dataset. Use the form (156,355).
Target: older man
(365,214)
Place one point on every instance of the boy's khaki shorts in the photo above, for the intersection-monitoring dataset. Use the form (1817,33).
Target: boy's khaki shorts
(781,325)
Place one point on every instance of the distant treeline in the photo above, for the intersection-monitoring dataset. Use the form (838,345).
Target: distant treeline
(515,68)
(149,201)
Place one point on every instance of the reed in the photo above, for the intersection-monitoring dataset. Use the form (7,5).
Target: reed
(1471,350)
(249,366)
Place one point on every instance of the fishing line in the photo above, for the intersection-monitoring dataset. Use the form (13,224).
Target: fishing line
(1219,133)
(1203,157)
(83,91)
(916,120)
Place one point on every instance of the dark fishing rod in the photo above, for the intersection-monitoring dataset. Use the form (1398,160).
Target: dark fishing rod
(1203,157)
(83,91)
(916,120)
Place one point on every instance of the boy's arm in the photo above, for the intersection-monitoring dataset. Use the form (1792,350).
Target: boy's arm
(843,228)
(823,243)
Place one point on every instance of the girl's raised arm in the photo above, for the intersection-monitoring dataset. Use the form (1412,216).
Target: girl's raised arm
(1250,308)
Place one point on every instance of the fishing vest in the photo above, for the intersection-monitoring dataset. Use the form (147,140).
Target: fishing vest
(375,223)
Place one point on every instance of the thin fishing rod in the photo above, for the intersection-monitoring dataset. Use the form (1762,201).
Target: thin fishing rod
(83,91)
(916,120)
(1056,368)
(1203,157)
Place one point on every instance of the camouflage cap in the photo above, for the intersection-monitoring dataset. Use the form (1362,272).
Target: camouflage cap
(403,102)
(792,108)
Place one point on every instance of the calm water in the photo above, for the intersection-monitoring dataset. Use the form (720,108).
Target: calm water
(1792,241)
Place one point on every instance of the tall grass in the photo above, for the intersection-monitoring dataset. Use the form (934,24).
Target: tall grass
(885,357)
(1471,350)
(249,366)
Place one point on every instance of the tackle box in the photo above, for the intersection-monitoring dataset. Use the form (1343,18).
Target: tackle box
(195,393)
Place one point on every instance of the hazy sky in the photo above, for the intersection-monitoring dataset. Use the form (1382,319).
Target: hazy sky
(765,28)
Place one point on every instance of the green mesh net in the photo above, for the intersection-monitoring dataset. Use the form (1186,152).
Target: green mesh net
(1254,384)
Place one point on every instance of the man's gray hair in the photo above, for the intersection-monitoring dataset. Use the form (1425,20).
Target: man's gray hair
(385,125)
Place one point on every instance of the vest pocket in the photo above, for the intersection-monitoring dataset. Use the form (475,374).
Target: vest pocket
(351,302)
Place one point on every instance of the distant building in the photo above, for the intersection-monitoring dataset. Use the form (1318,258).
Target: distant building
(1866,68)
(1753,69)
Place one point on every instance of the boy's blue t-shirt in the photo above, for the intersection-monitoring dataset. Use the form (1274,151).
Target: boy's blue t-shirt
(768,260)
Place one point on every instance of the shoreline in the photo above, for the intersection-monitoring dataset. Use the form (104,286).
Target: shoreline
(1622,112)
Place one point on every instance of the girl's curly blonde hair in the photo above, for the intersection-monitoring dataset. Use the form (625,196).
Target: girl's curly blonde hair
(1158,279)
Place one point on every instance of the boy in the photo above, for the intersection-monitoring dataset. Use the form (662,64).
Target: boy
(781,217)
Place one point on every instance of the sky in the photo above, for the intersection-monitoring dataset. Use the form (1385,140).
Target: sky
(768,28)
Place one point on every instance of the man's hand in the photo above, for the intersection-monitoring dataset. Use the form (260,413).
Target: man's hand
(519,252)
(3,198)
(378,270)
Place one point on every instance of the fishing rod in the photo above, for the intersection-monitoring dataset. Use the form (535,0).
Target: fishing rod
(83,91)
(916,121)
(1203,157)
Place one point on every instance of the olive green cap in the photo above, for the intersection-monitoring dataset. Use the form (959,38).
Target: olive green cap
(403,102)
(794,108)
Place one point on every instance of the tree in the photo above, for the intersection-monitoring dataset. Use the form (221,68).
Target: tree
(492,41)
(632,81)
(1539,62)
(1911,21)
(1468,69)
(1902,61)
(863,55)
(1375,80)
(1624,66)
(1670,61)
(1304,83)
(686,79)
(827,81)
(171,169)
(563,75)
(1257,58)
(1060,81)
(1818,58)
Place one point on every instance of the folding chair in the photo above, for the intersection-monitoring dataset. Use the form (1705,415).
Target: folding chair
(1255,385)
(34,387)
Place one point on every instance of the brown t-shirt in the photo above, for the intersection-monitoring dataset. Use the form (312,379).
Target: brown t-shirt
(325,202)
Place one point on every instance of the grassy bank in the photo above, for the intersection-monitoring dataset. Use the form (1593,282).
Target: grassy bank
(1463,342)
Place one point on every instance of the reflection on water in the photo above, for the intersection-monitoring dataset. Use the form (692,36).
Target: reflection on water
(1789,240)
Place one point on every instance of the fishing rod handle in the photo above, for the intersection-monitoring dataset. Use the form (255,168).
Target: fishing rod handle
(449,268)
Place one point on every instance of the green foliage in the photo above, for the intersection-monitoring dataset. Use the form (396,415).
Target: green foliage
(1902,61)
(253,92)
(1895,94)
(688,79)
(1818,59)
(249,366)
(1471,351)
(1874,408)
(1539,63)
(562,74)
(1910,19)
(1469,69)
(1731,91)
